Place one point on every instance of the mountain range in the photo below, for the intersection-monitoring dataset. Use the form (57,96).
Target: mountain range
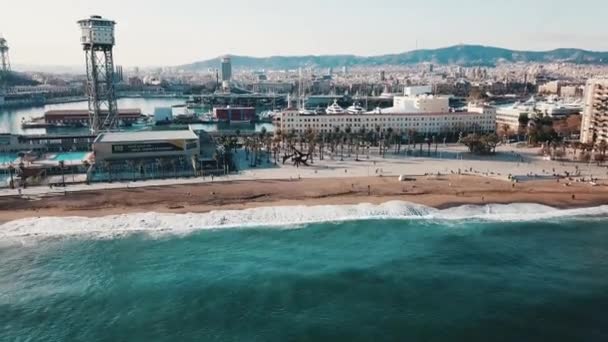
(464,55)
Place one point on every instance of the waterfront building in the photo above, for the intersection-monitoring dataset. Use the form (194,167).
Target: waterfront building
(121,146)
(594,126)
(423,123)
(509,116)
(13,143)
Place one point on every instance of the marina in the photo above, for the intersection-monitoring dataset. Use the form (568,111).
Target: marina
(13,120)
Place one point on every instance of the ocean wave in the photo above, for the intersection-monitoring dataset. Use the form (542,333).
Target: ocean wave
(287,216)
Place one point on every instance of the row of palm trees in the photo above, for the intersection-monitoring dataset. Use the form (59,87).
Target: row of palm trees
(579,151)
(348,142)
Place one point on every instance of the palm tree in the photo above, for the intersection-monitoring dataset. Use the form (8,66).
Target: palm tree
(399,137)
(159,164)
(238,135)
(320,142)
(87,166)
(11,170)
(505,128)
(378,130)
(108,167)
(412,136)
(131,165)
(62,167)
(602,147)
(348,138)
(361,139)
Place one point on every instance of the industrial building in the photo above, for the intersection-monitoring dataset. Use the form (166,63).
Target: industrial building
(594,126)
(234,114)
(71,117)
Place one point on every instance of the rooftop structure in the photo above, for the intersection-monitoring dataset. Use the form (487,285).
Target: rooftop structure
(145,136)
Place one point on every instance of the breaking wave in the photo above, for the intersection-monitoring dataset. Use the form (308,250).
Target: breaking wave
(287,216)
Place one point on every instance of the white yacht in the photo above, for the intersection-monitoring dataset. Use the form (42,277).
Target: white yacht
(305,111)
(335,108)
(355,109)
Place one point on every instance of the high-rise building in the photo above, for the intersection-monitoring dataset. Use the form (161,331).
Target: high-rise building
(594,125)
(97,38)
(118,75)
(226,69)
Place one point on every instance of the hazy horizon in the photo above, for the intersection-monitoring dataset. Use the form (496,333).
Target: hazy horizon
(186,31)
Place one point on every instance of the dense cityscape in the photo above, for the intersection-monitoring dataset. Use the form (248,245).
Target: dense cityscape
(539,103)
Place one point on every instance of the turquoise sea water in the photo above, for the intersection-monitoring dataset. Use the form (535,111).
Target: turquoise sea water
(368,280)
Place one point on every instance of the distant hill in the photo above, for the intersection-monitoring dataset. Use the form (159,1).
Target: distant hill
(465,55)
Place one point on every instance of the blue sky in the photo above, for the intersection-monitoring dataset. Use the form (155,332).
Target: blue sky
(175,32)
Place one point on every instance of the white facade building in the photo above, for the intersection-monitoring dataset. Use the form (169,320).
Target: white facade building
(423,123)
(510,116)
(418,90)
(420,104)
(594,126)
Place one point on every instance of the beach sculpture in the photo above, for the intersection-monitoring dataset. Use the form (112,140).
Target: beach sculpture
(297,158)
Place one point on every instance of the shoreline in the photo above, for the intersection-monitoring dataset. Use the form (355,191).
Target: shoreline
(437,192)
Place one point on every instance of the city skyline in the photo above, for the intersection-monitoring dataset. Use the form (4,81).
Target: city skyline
(189,31)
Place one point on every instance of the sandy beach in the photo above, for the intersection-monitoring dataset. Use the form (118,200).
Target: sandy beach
(331,181)
(436,191)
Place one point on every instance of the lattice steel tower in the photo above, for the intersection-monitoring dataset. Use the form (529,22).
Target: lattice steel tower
(97,40)
(5,62)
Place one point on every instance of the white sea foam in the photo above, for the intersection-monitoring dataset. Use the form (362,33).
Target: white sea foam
(162,223)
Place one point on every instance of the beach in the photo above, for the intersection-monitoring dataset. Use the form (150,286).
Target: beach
(434,191)
(434,182)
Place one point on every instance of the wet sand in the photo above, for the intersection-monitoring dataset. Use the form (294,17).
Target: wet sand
(439,192)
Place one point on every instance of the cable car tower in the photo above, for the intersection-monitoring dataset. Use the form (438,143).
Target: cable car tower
(97,38)
(5,62)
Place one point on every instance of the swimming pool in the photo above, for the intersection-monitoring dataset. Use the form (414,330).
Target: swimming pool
(70,156)
(6,158)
